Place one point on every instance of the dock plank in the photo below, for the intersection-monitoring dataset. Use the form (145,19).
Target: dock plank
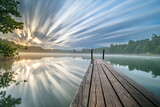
(105,86)
(140,98)
(124,96)
(111,98)
(96,95)
(150,96)
(81,98)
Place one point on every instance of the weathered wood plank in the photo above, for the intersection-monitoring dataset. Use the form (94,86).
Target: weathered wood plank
(82,95)
(111,98)
(124,96)
(103,85)
(142,100)
(152,98)
(96,96)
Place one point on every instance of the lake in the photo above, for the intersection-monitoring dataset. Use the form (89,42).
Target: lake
(52,79)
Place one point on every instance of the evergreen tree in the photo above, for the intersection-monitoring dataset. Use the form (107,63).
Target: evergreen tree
(137,47)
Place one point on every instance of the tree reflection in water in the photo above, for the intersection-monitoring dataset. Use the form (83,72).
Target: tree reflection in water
(143,64)
(8,101)
(7,78)
(53,79)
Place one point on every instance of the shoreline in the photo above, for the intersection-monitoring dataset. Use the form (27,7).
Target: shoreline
(30,55)
(88,54)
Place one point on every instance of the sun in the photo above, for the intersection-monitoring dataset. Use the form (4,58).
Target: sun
(36,40)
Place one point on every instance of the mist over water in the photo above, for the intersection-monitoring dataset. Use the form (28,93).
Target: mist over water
(53,79)
(50,81)
(145,70)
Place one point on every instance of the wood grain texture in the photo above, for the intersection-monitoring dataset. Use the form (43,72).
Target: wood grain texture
(111,98)
(124,96)
(142,100)
(81,98)
(150,96)
(96,94)
(104,86)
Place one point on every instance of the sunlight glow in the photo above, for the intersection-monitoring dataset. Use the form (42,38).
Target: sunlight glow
(36,65)
(36,40)
(57,77)
(60,23)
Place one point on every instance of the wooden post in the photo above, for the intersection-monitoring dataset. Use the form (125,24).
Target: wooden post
(91,54)
(103,54)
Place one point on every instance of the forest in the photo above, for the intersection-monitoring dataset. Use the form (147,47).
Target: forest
(151,46)
(146,46)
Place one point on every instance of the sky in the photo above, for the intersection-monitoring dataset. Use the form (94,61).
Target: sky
(77,24)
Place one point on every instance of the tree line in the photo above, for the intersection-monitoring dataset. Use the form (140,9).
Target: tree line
(146,46)
(151,46)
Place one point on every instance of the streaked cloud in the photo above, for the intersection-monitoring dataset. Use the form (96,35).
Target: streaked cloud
(85,23)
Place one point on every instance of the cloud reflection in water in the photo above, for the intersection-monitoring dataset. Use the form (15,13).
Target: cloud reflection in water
(50,81)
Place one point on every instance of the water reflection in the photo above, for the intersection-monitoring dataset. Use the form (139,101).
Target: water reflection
(6,65)
(146,64)
(50,81)
(7,78)
(8,101)
(143,69)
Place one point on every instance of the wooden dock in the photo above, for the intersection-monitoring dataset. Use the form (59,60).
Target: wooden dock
(104,86)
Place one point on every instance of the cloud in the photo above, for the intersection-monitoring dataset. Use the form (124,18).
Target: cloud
(80,23)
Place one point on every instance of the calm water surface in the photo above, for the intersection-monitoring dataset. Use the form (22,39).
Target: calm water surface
(53,79)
